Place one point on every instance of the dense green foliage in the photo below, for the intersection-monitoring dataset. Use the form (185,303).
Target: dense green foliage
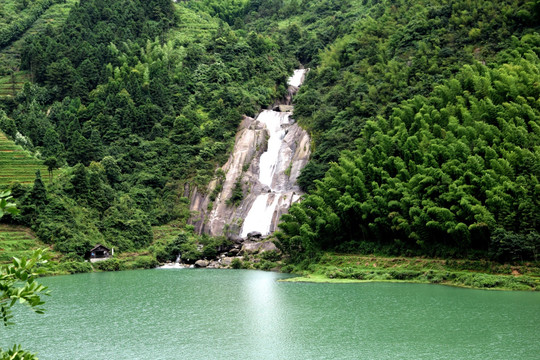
(18,284)
(442,173)
(397,50)
(138,110)
(21,16)
(424,118)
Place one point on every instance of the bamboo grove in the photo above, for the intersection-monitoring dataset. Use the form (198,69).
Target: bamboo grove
(454,173)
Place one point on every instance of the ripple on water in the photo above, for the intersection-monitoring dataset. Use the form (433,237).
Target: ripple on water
(240,314)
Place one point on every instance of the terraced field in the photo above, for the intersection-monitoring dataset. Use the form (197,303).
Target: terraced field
(10,85)
(17,241)
(54,16)
(17,164)
(193,27)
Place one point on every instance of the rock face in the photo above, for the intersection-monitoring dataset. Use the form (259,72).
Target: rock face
(268,246)
(269,189)
(251,247)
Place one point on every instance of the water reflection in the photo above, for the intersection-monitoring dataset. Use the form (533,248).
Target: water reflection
(222,314)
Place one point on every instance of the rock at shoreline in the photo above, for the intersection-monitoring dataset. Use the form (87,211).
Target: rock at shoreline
(201,263)
(226,261)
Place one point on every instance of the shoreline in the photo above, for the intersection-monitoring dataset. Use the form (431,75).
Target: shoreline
(323,280)
(350,269)
(471,274)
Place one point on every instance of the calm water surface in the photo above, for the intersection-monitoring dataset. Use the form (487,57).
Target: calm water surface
(240,314)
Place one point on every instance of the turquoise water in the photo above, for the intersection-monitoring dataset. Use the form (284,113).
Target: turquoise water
(240,314)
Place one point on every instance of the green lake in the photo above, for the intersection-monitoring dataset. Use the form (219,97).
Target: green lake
(241,314)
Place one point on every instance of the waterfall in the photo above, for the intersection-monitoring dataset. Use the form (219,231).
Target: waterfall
(175,265)
(270,159)
(269,153)
(260,215)
(273,167)
(297,78)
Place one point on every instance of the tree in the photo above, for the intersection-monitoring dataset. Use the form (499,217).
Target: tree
(17,283)
(51,144)
(38,195)
(7,125)
(5,205)
(51,163)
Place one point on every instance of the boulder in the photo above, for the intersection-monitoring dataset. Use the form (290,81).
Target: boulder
(286,108)
(268,246)
(226,261)
(223,248)
(201,263)
(235,239)
(213,265)
(254,235)
(233,252)
(251,247)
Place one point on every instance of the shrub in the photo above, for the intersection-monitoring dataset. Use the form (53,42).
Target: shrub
(74,267)
(145,262)
(265,265)
(511,246)
(287,269)
(236,264)
(110,265)
(271,256)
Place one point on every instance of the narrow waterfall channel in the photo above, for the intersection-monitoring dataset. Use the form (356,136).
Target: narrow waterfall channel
(268,155)
(272,168)
(273,121)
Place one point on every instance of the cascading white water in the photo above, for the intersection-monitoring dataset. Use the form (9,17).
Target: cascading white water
(268,176)
(272,167)
(175,265)
(269,160)
(260,215)
(297,77)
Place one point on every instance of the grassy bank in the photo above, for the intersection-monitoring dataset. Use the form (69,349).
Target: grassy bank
(120,263)
(479,274)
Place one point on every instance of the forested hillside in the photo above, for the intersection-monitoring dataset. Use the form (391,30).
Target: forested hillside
(133,100)
(424,117)
(438,104)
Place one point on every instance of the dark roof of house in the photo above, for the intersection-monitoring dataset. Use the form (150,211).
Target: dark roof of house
(100,246)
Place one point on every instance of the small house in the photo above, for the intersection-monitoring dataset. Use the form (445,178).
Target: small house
(100,252)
